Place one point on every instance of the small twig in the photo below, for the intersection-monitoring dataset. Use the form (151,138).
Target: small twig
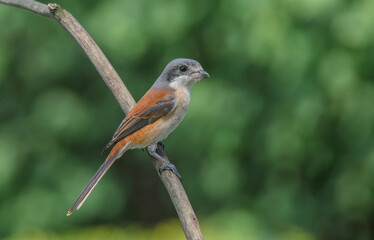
(171,182)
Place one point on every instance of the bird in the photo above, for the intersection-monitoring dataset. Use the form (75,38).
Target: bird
(152,119)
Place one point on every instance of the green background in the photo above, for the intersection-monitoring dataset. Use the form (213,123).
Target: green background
(277,144)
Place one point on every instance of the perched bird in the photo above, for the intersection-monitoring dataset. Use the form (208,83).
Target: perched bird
(152,119)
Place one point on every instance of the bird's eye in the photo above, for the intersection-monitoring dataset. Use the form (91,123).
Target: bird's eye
(182,68)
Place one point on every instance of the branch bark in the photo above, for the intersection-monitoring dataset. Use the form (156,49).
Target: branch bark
(171,182)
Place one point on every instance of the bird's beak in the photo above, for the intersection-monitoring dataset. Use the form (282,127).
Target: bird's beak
(202,74)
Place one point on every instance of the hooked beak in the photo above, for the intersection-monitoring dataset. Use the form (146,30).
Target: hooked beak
(201,74)
(204,74)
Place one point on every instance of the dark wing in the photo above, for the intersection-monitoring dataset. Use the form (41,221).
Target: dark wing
(139,119)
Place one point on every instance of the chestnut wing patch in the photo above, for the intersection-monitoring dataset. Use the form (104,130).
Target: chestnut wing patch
(141,119)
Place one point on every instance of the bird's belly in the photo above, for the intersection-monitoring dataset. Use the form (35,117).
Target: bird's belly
(154,132)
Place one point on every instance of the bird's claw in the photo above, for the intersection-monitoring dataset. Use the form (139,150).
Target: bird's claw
(166,164)
(171,167)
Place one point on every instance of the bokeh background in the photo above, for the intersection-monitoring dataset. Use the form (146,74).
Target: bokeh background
(278,144)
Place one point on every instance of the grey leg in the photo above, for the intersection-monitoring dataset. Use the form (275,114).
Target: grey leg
(167,165)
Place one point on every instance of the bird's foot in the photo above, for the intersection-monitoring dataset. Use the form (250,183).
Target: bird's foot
(171,167)
(167,164)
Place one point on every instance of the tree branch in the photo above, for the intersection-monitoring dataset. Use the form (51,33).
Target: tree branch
(171,182)
(33,6)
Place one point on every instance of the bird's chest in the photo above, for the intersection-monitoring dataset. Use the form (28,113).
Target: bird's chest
(173,119)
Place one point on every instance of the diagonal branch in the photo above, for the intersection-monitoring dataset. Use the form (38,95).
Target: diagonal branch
(172,184)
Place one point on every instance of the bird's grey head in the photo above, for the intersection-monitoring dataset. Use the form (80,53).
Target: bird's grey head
(182,73)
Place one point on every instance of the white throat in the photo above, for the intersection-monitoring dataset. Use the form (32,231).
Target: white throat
(183,83)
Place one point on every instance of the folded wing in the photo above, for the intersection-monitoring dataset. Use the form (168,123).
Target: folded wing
(153,106)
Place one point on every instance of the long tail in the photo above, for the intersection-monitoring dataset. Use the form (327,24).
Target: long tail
(116,152)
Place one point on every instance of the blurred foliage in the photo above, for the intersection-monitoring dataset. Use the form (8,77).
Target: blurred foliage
(278,144)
